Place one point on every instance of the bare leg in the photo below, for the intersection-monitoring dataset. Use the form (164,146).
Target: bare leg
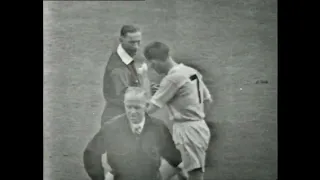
(196,174)
(182,176)
(105,164)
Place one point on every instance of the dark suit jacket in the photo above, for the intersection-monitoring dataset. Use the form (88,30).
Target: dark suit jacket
(117,77)
(131,157)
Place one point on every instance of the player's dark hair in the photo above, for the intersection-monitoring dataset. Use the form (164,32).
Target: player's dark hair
(156,50)
(128,29)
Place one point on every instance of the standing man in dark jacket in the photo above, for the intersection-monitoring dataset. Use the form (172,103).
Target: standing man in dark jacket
(134,142)
(123,70)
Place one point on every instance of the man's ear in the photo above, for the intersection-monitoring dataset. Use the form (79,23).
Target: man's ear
(163,63)
(121,39)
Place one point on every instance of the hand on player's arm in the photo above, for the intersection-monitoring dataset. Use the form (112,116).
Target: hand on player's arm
(167,171)
(154,88)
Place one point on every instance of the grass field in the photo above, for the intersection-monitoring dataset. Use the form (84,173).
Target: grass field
(234,41)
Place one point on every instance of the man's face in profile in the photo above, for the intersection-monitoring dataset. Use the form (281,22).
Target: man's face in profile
(135,108)
(131,42)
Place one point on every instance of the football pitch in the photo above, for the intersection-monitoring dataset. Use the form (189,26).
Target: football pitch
(233,41)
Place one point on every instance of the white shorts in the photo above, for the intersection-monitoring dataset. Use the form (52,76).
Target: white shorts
(192,139)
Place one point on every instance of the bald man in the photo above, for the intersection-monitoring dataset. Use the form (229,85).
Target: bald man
(134,142)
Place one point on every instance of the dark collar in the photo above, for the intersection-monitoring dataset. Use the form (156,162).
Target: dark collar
(147,124)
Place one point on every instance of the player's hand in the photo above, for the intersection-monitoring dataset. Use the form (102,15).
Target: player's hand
(142,69)
(154,87)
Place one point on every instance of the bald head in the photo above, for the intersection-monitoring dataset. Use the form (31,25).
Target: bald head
(135,93)
(135,103)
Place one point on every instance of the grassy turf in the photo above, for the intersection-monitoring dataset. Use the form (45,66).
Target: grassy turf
(234,42)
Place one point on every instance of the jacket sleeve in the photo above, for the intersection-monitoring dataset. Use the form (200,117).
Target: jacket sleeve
(119,83)
(168,149)
(105,84)
(93,153)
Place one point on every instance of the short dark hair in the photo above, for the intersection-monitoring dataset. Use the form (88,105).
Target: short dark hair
(156,50)
(128,29)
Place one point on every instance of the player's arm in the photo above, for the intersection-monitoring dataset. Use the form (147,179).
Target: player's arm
(166,91)
(207,98)
(92,155)
(155,80)
(206,94)
(154,87)
(208,110)
(170,154)
(152,108)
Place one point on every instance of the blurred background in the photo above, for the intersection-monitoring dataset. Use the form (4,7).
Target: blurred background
(234,43)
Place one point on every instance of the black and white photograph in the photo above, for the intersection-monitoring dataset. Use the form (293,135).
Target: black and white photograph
(160,90)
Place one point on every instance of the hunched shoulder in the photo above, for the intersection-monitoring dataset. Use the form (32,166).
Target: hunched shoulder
(175,77)
(155,121)
(114,122)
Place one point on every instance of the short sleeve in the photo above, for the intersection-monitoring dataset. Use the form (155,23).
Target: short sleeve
(120,80)
(166,92)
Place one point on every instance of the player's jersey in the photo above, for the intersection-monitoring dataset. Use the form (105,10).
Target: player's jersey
(183,90)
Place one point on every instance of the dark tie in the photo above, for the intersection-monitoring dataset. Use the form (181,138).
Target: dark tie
(137,130)
(133,70)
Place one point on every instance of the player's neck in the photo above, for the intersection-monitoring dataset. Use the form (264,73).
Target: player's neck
(171,64)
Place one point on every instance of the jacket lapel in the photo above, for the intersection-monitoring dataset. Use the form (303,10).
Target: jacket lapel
(133,72)
(134,78)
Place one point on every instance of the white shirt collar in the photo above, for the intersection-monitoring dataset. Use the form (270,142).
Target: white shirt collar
(141,124)
(174,68)
(125,57)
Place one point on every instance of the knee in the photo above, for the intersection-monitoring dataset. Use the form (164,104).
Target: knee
(196,174)
(102,122)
